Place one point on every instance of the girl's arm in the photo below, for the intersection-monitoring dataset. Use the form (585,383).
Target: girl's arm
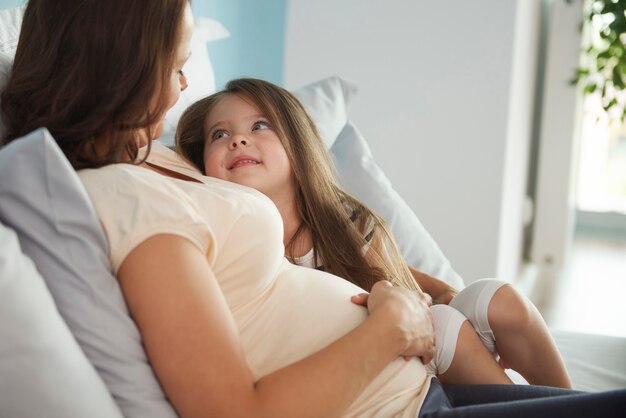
(193,343)
(440,291)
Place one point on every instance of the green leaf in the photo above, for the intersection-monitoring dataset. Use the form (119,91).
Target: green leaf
(618,81)
(605,54)
(590,88)
(612,103)
(607,61)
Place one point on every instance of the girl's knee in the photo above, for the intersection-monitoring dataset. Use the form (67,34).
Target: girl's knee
(510,311)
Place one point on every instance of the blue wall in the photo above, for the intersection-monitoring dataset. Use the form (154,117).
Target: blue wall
(256,44)
(7,4)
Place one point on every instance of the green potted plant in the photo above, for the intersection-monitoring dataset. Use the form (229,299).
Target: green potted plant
(603,67)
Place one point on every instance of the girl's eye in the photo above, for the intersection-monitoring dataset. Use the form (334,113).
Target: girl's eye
(219,134)
(260,125)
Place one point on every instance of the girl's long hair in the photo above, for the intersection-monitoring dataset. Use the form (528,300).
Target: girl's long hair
(90,71)
(324,207)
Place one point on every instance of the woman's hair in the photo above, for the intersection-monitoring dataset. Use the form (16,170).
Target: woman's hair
(325,209)
(93,72)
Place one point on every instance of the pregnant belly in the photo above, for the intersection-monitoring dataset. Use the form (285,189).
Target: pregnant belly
(305,310)
(301,312)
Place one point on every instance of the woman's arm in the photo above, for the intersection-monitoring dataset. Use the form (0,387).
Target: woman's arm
(440,291)
(193,343)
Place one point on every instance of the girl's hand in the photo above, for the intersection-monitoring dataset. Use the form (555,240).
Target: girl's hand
(445,297)
(409,315)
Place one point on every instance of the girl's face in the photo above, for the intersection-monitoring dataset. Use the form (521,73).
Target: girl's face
(177,81)
(242,147)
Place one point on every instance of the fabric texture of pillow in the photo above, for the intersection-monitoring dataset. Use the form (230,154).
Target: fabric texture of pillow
(44,372)
(6,62)
(327,101)
(10,24)
(43,200)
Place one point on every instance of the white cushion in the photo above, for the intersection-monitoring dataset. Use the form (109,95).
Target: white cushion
(6,61)
(10,24)
(594,362)
(363,178)
(43,371)
(327,101)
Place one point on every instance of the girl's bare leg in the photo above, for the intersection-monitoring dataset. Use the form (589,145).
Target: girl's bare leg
(472,362)
(523,340)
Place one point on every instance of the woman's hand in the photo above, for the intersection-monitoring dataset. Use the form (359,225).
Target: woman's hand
(407,312)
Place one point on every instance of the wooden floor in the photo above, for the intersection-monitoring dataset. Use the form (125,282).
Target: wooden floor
(590,294)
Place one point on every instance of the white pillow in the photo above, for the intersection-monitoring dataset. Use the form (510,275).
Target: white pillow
(44,372)
(10,24)
(326,101)
(6,62)
(364,179)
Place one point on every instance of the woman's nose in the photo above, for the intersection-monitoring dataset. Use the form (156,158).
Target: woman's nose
(183,81)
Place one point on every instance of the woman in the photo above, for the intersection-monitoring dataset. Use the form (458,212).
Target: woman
(100,75)
(206,297)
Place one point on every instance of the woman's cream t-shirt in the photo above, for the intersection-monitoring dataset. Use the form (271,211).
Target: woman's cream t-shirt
(284,312)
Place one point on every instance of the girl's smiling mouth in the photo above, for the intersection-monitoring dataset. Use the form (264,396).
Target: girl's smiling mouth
(242,161)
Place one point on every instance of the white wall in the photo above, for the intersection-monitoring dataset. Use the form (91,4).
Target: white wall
(554,221)
(515,210)
(435,104)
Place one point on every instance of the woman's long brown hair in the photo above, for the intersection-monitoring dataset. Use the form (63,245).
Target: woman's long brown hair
(322,204)
(89,71)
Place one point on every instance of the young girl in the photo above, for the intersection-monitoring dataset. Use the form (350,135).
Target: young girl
(257,134)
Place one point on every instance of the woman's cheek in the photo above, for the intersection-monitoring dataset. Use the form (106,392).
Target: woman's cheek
(173,97)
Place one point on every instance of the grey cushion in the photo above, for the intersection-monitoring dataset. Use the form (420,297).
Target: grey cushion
(43,371)
(43,200)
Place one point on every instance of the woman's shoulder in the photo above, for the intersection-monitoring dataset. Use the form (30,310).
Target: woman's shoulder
(134,203)
(108,173)
(128,188)
(118,180)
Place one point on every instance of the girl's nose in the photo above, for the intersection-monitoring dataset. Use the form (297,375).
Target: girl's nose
(237,142)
